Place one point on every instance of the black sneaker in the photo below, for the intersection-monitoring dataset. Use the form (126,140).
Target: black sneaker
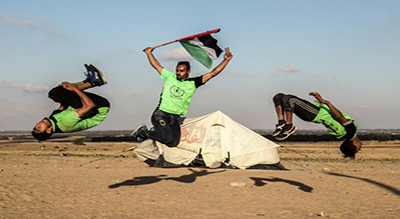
(278,130)
(139,132)
(286,133)
(94,75)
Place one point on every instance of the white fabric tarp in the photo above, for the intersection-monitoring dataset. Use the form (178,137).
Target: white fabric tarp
(216,137)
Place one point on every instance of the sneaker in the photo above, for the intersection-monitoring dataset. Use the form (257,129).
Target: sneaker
(140,139)
(89,74)
(140,132)
(94,75)
(278,130)
(286,133)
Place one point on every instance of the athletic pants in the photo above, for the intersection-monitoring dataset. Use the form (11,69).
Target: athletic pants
(68,98)
(302,108)
(166,128)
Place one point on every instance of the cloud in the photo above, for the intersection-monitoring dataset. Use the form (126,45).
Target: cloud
(29,88)
(52,31)
(289,68)
(175,54)
(30,22)
(44,19)
(47,20)
(12,19)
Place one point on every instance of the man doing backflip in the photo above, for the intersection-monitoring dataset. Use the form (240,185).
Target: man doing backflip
(338,123)
(176,96)
(78,110)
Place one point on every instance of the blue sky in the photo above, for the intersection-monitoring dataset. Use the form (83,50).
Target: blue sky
(346,50)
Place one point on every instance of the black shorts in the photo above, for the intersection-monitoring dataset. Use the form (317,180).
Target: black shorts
(68,98)
(166,128)
(351,130)
(302,108)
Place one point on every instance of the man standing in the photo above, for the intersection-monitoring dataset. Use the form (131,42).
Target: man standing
(175,99)
(338,123)
(78,110)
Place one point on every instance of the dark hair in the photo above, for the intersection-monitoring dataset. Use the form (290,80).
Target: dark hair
(184,63)
(42,136)
(348,149)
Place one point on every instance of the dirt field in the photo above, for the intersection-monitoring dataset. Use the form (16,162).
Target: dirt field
(71,180)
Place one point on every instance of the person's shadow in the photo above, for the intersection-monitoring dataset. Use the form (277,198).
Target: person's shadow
(140,180)
(261,181)
(190,178)
(145,180)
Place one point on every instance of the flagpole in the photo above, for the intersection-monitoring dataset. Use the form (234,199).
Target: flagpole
(164,44)
(189,37)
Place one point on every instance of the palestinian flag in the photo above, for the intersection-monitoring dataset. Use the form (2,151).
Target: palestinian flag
(202,47)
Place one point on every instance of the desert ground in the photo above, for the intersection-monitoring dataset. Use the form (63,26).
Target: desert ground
(75,179)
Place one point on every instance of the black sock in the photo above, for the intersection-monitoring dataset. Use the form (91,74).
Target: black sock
(280,122)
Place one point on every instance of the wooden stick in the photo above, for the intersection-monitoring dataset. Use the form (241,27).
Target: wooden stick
(189,37)
(164,44)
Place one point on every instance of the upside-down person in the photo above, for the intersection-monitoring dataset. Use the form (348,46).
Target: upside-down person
(338,123)
(78,110)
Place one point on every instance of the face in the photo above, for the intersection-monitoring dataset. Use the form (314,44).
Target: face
(41,126)
(182,72)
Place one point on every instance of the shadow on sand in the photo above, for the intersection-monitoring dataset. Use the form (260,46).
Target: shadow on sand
(261,182)
(387,187)
(144,180)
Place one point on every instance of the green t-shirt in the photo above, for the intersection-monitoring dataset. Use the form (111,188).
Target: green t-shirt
(326,117)
(177,95)
(69,121)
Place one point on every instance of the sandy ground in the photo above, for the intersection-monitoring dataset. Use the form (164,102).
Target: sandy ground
(69,180)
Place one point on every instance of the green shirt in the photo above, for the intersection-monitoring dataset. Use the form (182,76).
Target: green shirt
(326,117)
(69,121)
(177,94)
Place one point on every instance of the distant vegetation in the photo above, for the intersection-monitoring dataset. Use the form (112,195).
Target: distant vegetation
(124,135)
(315,136)
(329,137)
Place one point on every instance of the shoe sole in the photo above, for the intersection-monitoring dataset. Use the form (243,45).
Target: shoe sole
(140,126)
(88,67)
(276,134)
(287,136)
(279,127)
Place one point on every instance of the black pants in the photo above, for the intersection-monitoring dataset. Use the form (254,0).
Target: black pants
(302,108)
(68,98)
(166,128)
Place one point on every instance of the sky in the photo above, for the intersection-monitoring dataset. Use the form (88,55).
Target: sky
(346,50)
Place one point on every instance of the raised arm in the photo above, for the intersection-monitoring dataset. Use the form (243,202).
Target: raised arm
(87,103)
(227,57)
(336,113)
(153,61)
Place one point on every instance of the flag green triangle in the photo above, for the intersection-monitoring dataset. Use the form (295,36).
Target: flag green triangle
(196,52)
